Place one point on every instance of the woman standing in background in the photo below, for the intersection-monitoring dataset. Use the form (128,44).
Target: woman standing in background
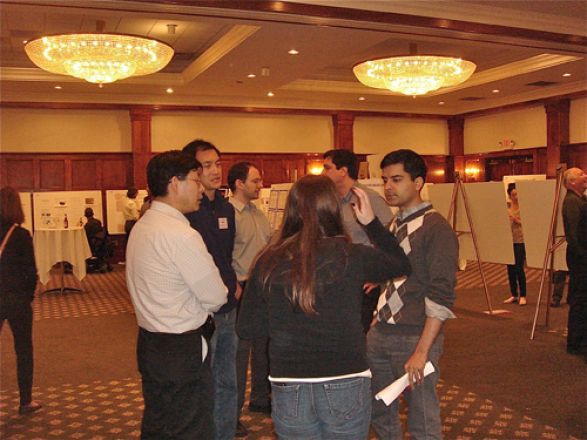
(18,279)
(516,274)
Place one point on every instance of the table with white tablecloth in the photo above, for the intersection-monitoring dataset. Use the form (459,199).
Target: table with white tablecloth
(57,245)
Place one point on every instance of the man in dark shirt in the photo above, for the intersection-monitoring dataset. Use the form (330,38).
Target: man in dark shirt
(575,180)
(215,223)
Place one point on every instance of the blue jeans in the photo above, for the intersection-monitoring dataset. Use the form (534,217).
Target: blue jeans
(387,355)
(337,409)
(223,356)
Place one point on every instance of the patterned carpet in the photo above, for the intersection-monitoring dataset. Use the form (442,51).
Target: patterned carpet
(111,408)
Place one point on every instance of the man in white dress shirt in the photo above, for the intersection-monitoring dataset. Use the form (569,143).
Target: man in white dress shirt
(174,286)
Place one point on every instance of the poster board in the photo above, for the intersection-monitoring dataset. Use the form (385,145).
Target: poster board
(114,203)
(50,208)
(536,199)
(523,177)
(27,208)
(277,198)
(490,219)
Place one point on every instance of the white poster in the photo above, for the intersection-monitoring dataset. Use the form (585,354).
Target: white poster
(114,203)
(488,210)
(51,209)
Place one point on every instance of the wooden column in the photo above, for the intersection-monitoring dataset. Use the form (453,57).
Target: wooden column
(343,130)
(141,145)
(557,132)
(456,147)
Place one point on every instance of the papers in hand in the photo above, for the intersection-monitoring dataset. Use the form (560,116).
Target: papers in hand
(392,392)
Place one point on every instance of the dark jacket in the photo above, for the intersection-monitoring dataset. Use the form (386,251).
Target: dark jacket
(18,271)
(330,342)
(218,234)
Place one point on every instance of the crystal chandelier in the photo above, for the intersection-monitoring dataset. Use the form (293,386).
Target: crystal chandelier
(415,74)
(99,58)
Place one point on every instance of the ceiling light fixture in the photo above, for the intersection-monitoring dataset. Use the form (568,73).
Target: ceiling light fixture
(293,52)
(414,75)
(495,91)
(566,74)
(361,98)
(251,75)
(99,58)
(58,87)
(270,94)
(169,90)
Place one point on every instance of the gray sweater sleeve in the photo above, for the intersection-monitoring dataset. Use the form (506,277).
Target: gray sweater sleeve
(441,255)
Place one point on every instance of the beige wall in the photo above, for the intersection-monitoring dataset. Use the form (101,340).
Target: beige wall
(64,131)
(382,135)
(243,133)
(527,127)
(578,121)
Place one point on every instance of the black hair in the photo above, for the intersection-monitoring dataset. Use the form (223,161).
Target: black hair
(413,163)
(164,166)
(344,158)
(132,192)
(239,171)
(511,187)
(199,145)
(88,212)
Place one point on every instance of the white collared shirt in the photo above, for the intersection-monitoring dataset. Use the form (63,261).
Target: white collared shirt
(173,281)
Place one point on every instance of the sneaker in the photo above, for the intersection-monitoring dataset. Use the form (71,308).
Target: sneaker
(30,407)
(522,301)
(241,430)
(511,300)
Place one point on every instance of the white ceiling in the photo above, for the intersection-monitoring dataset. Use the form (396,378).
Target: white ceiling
(218,44)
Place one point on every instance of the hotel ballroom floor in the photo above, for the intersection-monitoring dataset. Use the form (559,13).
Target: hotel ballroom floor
(496,383)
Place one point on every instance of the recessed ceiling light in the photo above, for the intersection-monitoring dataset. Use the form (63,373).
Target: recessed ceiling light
(361,98)
(270,94)
(58,87)
(251,75)
(169,90)
(25,41)
(440,102)
(495,91)
(293,52)
(566,74)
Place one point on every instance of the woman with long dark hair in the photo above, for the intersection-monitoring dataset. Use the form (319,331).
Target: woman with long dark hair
(18,279)
(305,293)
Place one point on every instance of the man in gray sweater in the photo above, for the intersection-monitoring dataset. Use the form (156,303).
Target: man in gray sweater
(411,311)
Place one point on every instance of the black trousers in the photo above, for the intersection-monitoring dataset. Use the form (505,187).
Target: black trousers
(558,279)
(177,386)
(577,299)
(20,319)
(257,351)
(516,274)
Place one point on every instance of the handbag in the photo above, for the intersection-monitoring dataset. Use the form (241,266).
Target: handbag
(6,237)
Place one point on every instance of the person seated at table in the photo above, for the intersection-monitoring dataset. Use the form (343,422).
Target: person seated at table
(99,244)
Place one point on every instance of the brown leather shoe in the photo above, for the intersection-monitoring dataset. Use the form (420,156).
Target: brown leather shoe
(30,407)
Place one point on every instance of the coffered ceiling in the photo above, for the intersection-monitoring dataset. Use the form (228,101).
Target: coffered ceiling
(522,50)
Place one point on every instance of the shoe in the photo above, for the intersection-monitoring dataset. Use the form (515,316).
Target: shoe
(241,430)
(30,407)
(522,301)
(511,300)
(265,409)
(555,303)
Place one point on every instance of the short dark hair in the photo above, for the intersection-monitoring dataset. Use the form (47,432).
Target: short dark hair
(88,212)
(199,145)
(413,163)
(10,206)
(239,171)
(132,192)
(511,187)
(344,158)
(164,166)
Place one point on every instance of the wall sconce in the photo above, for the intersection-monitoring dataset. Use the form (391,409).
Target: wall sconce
(315,168)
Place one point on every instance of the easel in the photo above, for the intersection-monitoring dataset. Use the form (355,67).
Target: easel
(452,217)
(551,246)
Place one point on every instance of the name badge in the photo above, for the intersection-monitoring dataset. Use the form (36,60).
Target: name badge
(222,223)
